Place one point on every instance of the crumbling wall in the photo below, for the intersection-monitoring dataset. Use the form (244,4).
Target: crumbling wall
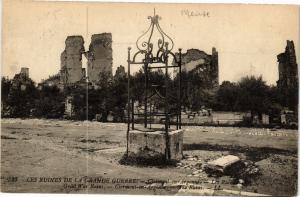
(215,67)
(205,65)
(288,68)
(100,57)
(21,79)
(25,72)
(71,64)
(288,76)
(120,72)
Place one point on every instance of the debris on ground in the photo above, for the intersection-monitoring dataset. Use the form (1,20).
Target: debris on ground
(238,171)
(190,162)
(264,160)
(221,164)
(242,171)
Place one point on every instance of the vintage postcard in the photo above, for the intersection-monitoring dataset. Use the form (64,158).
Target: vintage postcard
(149,98)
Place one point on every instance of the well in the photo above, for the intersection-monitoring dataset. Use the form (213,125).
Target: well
(166,141)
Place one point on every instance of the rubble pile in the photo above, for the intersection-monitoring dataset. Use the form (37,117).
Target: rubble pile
(222,163)
(192,164)
(233,166)
(230,165)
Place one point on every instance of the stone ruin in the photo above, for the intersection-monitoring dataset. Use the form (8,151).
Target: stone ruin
(71,60)
(100,56)
(99,63)
(288,76)
(288,68)
(205,65)
(120,72)
(21,79)
(25,72)
(99,59)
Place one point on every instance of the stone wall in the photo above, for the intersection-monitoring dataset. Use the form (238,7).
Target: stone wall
(100,57)
(120,72)
(21,79)
(214,70)
(25,72)
(288,68)
(71,60)
(288,76)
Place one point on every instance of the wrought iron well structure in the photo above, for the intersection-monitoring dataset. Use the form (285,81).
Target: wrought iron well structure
(152,55)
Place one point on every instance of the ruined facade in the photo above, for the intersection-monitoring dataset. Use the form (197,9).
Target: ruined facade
(71,61)
(287,67)
(21,80)
(120,72)
(205,65)
(100,57)
(288,76)
(25,72)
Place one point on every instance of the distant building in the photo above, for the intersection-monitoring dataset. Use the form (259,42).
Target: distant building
(21,80)
(120,72)
(288,76)
(99,57)
(99,61)
(288,68)
(207,66)
(25,72)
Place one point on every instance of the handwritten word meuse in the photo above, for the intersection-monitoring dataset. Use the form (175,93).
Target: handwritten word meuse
(190,13)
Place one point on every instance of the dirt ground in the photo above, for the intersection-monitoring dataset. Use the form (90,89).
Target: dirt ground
(53,156)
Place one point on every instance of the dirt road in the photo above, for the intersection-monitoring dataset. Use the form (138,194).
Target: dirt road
(83,157)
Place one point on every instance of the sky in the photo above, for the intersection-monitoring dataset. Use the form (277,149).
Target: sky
(247,37)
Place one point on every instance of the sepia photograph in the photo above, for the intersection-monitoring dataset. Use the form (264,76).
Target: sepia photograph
(149,98)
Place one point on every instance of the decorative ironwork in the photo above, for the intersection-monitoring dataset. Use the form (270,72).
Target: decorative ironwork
(161,57)
(147,46)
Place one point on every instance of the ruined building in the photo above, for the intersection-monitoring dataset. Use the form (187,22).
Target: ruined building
(288,68)
(71,61)
(25,72)
(22,80)
(120,72)
(100,57)
(205,65)
(288,76)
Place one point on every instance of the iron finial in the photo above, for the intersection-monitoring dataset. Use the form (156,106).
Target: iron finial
(145,43)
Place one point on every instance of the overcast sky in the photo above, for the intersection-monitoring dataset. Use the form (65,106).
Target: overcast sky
(247,37)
